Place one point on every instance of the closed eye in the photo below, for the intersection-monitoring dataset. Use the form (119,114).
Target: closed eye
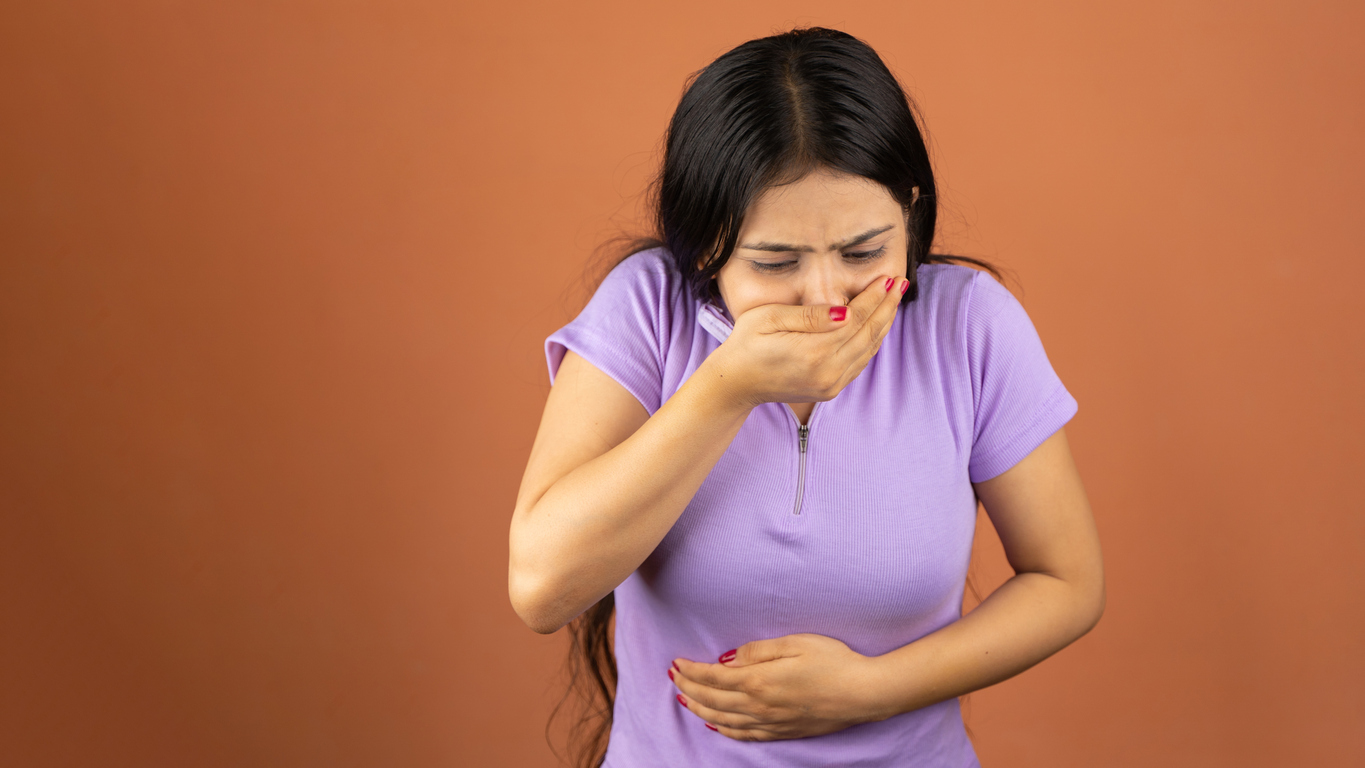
(860,257)
(772,266)
(865,255)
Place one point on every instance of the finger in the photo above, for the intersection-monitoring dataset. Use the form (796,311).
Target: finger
(886,314)
(872,296)
(711,675)
(820,318)
(745,734)
(757,652)
(879,323)
(860,346)
(865,304)
(713,699)
(717,717)
(806,318)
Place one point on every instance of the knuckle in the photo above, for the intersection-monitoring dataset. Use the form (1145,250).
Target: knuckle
(762,712)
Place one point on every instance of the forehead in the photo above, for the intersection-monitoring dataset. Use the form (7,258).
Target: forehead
(819,205)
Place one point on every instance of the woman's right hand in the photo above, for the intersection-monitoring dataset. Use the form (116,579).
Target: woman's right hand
(607,480)
(780,353)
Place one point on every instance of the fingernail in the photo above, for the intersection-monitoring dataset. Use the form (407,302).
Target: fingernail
(712,727)
(675,666)
(681,700)
(728,656)
(889,282)
(670,674)
(837,314)
(905,285)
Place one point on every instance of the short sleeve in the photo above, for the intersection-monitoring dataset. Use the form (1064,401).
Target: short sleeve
(619,331)
(1018,399)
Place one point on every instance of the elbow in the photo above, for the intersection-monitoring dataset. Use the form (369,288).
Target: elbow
(541,626)
(532,606)
(529,587)
(1092,606)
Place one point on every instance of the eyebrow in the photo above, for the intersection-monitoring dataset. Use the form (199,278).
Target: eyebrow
(786,248)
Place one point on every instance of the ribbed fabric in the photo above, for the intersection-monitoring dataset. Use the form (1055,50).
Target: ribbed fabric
(960,391)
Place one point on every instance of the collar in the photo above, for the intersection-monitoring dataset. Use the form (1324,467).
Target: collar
(713,320)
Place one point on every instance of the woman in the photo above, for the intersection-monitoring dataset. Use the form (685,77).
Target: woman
(767,436)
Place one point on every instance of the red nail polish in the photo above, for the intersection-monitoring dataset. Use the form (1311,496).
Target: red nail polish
(670,674)
(837,314)
(904,286)
(712,727)
(681,700)
(728,656)
(675,666)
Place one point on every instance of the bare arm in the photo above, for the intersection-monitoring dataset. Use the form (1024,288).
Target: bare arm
(606,481)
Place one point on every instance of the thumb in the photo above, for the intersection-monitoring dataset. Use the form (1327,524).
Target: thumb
(756,652)
(812,318)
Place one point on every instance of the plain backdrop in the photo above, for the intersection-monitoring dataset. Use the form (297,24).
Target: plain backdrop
(275,279)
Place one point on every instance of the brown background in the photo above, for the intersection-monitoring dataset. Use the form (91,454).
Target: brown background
(275,280)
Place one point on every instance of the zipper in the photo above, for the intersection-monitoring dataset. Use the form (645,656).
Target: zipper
(803,435)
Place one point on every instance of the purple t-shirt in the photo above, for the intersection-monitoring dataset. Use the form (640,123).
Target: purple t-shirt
(862,534)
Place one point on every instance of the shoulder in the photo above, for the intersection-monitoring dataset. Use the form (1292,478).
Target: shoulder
(972,294)
(957,282)
(646,280)
(653,266)
(965,314)
(628,326)
(947,291)
(643,301)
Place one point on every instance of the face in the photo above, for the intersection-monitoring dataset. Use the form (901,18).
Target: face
(820,240)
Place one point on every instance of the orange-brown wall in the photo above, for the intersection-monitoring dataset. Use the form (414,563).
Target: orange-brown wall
(274,279)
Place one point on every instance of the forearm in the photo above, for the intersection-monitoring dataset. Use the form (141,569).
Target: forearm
(595,525)
(1030,617)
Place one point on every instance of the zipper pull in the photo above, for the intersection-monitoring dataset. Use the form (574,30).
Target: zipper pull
(803,432)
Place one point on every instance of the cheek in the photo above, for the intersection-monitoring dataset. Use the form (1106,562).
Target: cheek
(743,292)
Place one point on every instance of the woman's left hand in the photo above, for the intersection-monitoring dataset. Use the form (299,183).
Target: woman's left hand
(785,688)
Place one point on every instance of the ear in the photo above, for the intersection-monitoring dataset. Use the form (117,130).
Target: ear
(914,195)
(705,258)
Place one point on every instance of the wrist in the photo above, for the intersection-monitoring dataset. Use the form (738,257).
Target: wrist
(862,692)
(722,384)
(890,687)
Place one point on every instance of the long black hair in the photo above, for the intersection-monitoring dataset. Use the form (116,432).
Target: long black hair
(766,113)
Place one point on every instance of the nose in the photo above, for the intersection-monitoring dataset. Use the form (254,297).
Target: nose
(825,282)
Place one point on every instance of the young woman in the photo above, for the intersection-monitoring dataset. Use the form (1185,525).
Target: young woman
(767,436)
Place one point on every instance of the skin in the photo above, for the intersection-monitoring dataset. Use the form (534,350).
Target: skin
(606,481)
(855,230)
